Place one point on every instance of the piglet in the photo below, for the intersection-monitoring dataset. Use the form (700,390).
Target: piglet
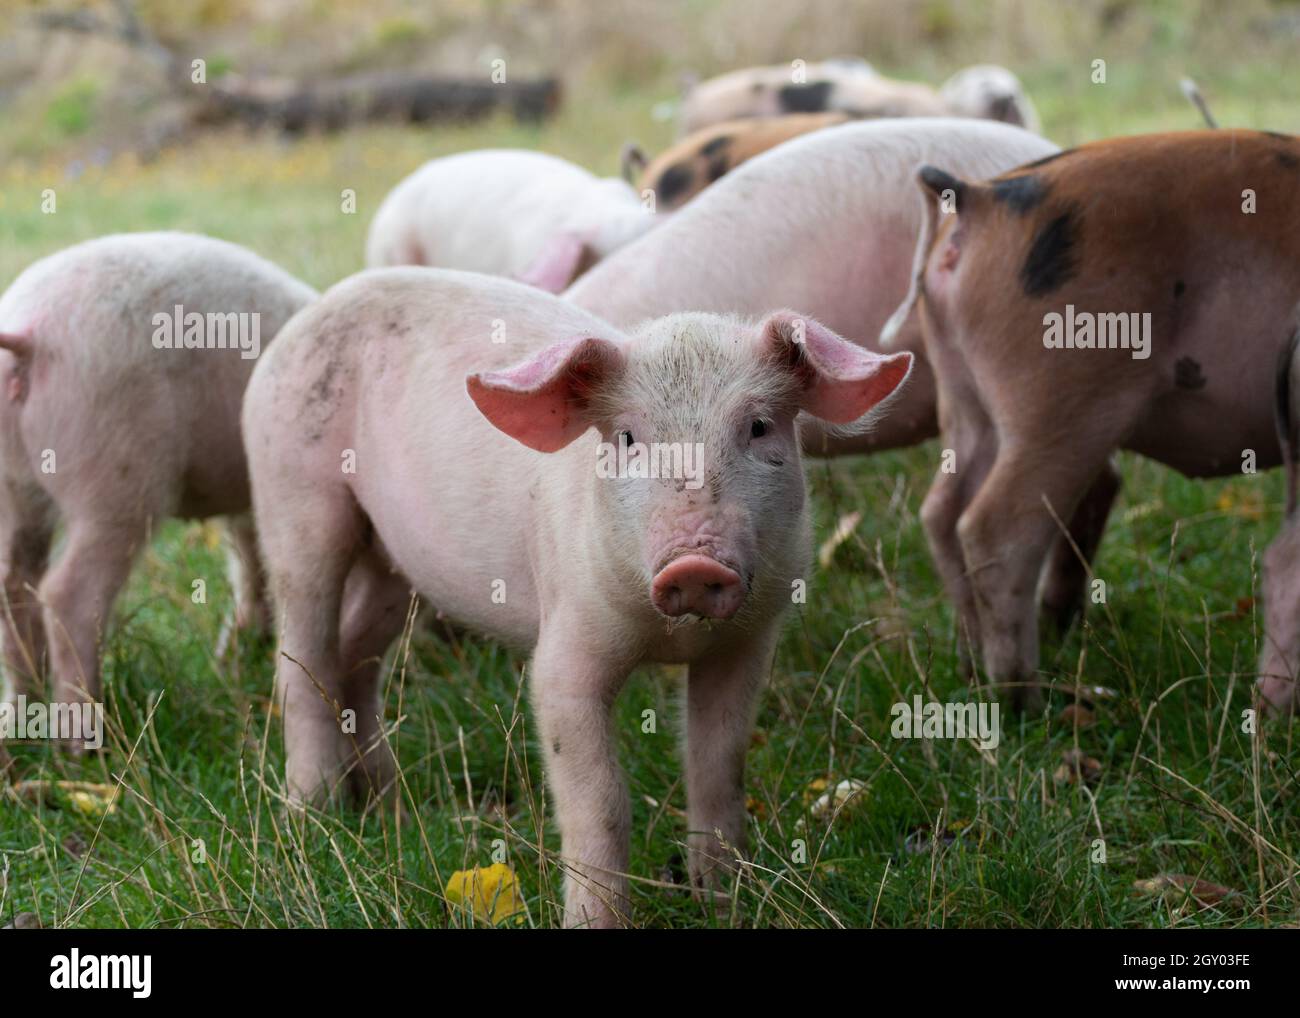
(773,90)
(599,499)
(684,170)
(507,212)
(1121,295)
(123,363)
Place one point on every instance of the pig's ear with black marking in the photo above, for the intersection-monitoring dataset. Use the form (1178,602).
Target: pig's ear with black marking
(944,195)
(944,186)
(953,194)
(842,381)
(542,402)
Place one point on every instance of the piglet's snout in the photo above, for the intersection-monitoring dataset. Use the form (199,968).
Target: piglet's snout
(699,585)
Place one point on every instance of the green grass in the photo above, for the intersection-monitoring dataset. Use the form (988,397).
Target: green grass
(1182,789)
(71,111)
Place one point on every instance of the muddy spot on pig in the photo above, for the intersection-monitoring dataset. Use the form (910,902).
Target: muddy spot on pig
(1188,375)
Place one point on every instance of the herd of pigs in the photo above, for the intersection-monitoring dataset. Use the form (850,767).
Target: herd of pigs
(831,265)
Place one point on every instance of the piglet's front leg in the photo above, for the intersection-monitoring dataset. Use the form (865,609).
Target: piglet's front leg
(573,692)
(721,700)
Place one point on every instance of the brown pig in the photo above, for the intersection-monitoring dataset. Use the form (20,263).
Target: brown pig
(681,172)
(1129,294)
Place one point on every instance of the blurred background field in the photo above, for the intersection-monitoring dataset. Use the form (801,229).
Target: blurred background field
(88,116)
(937,834)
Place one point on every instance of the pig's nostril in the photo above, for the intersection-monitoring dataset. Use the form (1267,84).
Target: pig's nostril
(698,585)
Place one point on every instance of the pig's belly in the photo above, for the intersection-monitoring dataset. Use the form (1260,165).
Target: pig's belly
(1224,372)
(459,564)
(1209,437)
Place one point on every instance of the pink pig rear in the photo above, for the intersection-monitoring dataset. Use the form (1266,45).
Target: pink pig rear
(508,212)
(110,435)
(509,509)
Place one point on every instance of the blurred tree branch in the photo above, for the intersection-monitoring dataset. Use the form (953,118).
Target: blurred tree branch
(129,30)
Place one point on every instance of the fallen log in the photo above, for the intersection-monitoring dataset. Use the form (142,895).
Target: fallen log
(332,105)
(327,105)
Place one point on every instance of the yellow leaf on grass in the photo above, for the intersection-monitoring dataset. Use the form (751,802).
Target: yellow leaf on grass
(86,797)
(848,794)
(210,534)
(848,790)
(815,788)
(1248,504)
(96,802)
(489,892)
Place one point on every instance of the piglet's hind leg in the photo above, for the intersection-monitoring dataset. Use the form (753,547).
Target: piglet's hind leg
(1006,534)
(309,561)
(375,604)
(78,596)
(24,554)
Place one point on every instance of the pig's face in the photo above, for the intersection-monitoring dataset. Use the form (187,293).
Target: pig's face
(699,493)
(706,487)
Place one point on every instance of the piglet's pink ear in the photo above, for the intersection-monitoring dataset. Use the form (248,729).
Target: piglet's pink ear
(542,402)
(561,260)
(842,381)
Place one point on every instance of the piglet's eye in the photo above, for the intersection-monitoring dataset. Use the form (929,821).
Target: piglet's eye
(758,429)
(626,438)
